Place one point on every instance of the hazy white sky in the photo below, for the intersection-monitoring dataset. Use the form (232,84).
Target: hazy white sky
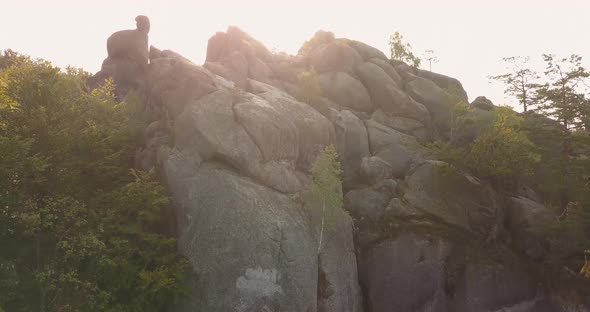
(468,36)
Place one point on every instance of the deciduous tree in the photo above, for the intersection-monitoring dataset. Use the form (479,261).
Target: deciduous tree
(325,188)
(402,51)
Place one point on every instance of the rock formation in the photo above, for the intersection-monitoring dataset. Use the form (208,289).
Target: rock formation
(128,57)
(234,144)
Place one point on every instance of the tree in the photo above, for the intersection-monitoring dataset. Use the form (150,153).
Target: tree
(561,97)
(78,231)
(401,51)
(430,57)
(325,188)
(584,112)
(502,154)
(520,81)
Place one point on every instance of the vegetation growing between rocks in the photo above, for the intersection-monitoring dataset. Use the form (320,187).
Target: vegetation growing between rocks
(310,87)
(545,148)
(79,230)
(325,188)
(402,51)
(502,153)
(459,108)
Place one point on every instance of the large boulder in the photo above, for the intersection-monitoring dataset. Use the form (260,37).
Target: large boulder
(260,71)
(338,286)
(249,246)
(406,125)
(268,136)
(526,218)
(494,287)
(275,133)
(260,51)
(238,77)
(234,39)
(366,205)
(388,69)
(353,145)
(237,56)
(127,75)
(131,44)
(210,126)
(343,89)
(127,60)
(438,102)
(237,64)
(406,273)
(366,51)
(334,56)
(471,125)
(387,95)
(399,150)
(216,47)
(172,83)
(444,82)
(320,37)
(424,273)
(455,198)
(314,131)
(375,169)
(156,53)
(482,102)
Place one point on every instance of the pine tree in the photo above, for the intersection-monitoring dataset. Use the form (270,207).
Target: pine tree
(561,97)
(520,81)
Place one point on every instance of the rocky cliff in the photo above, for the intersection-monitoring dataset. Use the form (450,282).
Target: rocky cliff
(234,140)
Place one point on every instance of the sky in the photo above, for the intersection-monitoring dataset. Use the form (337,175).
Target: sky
(469,37)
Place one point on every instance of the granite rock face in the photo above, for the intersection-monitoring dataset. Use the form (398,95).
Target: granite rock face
(128,57)
(234,140)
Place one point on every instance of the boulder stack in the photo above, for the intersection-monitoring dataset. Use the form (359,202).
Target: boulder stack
(234,141)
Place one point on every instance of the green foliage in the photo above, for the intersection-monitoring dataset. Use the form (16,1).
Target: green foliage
(561,96)
(327,178)
(310,86)
(502,153)
(563,142)
(401,51)
(325,188)
(459,109)
(520,81)
(79,232)
(562,181)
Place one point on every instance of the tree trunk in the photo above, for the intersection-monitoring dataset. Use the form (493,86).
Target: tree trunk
(41,289)
(322,227)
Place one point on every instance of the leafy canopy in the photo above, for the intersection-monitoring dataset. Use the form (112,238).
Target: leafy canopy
(325,189)
(502,153)
(402,51)
(327,178)
(78,231)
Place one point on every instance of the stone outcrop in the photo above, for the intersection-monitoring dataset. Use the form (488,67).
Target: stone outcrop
(345,90)
(234,140)
(128,57)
